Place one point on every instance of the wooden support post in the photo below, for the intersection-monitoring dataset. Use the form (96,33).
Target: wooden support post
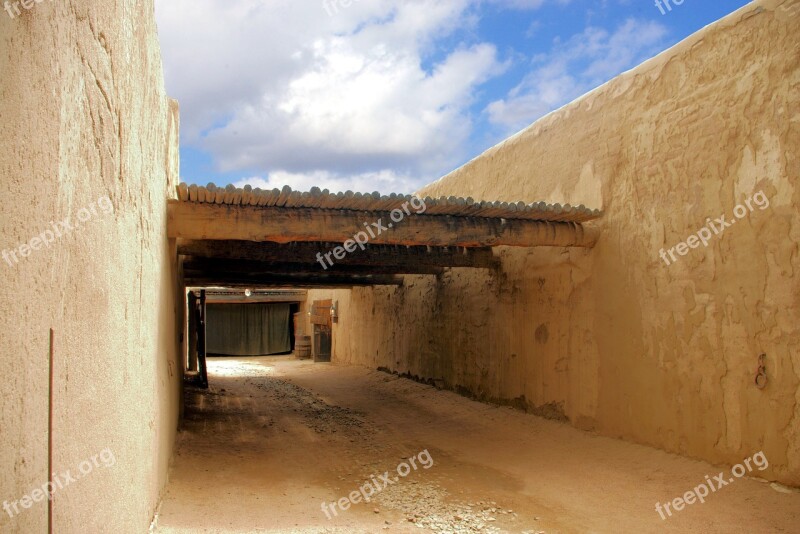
(202,341)
(192,364)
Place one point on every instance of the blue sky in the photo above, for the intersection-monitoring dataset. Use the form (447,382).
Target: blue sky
(388,95)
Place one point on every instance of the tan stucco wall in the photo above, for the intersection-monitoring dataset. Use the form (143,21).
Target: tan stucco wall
(84,116)
(612,338)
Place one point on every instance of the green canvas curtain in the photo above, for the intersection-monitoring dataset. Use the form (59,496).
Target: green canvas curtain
(257,329)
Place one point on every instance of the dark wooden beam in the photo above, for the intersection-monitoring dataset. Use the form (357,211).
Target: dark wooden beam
(203,266)
(257,297)
(187,220)
(289,281)
(249,300)
(404,258)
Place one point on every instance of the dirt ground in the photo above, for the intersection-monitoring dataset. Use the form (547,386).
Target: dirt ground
(274,438)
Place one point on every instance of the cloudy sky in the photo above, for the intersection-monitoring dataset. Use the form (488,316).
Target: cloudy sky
(388,95)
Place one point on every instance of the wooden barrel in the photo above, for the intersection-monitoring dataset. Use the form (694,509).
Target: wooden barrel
(302,347)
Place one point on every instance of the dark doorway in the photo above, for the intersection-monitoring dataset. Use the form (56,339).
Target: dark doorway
(258,329)
(322,343)
(323,330)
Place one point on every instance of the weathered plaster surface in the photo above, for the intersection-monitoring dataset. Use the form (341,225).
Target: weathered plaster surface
(612,339)
(84,115)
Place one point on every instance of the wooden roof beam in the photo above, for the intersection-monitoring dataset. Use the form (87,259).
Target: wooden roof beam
(188,220)
(222,267)
(288,281)
(405,259)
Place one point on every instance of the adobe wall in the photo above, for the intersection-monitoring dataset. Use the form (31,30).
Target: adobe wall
(90,140)
(613,339)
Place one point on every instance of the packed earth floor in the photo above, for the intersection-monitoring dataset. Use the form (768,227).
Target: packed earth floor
(273,439)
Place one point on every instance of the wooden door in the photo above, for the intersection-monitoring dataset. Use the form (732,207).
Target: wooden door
(323,330)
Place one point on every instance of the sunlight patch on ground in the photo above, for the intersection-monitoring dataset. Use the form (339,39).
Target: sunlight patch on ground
(240,367)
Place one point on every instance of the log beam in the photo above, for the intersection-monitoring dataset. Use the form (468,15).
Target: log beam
(200,267)
(403,258)
(187,220)
(297,282)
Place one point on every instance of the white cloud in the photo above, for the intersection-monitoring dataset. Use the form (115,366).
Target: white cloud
(352,110)
(282,88)
(582,63)
(281,85)
(526,4)
(384,182)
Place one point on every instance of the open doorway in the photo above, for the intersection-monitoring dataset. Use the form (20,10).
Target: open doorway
(238,323)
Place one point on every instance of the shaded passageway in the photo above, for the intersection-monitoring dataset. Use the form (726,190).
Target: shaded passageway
(274,438)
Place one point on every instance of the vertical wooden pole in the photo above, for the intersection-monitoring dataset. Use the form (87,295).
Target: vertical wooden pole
(202,341)
(50,436)
(193,320)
